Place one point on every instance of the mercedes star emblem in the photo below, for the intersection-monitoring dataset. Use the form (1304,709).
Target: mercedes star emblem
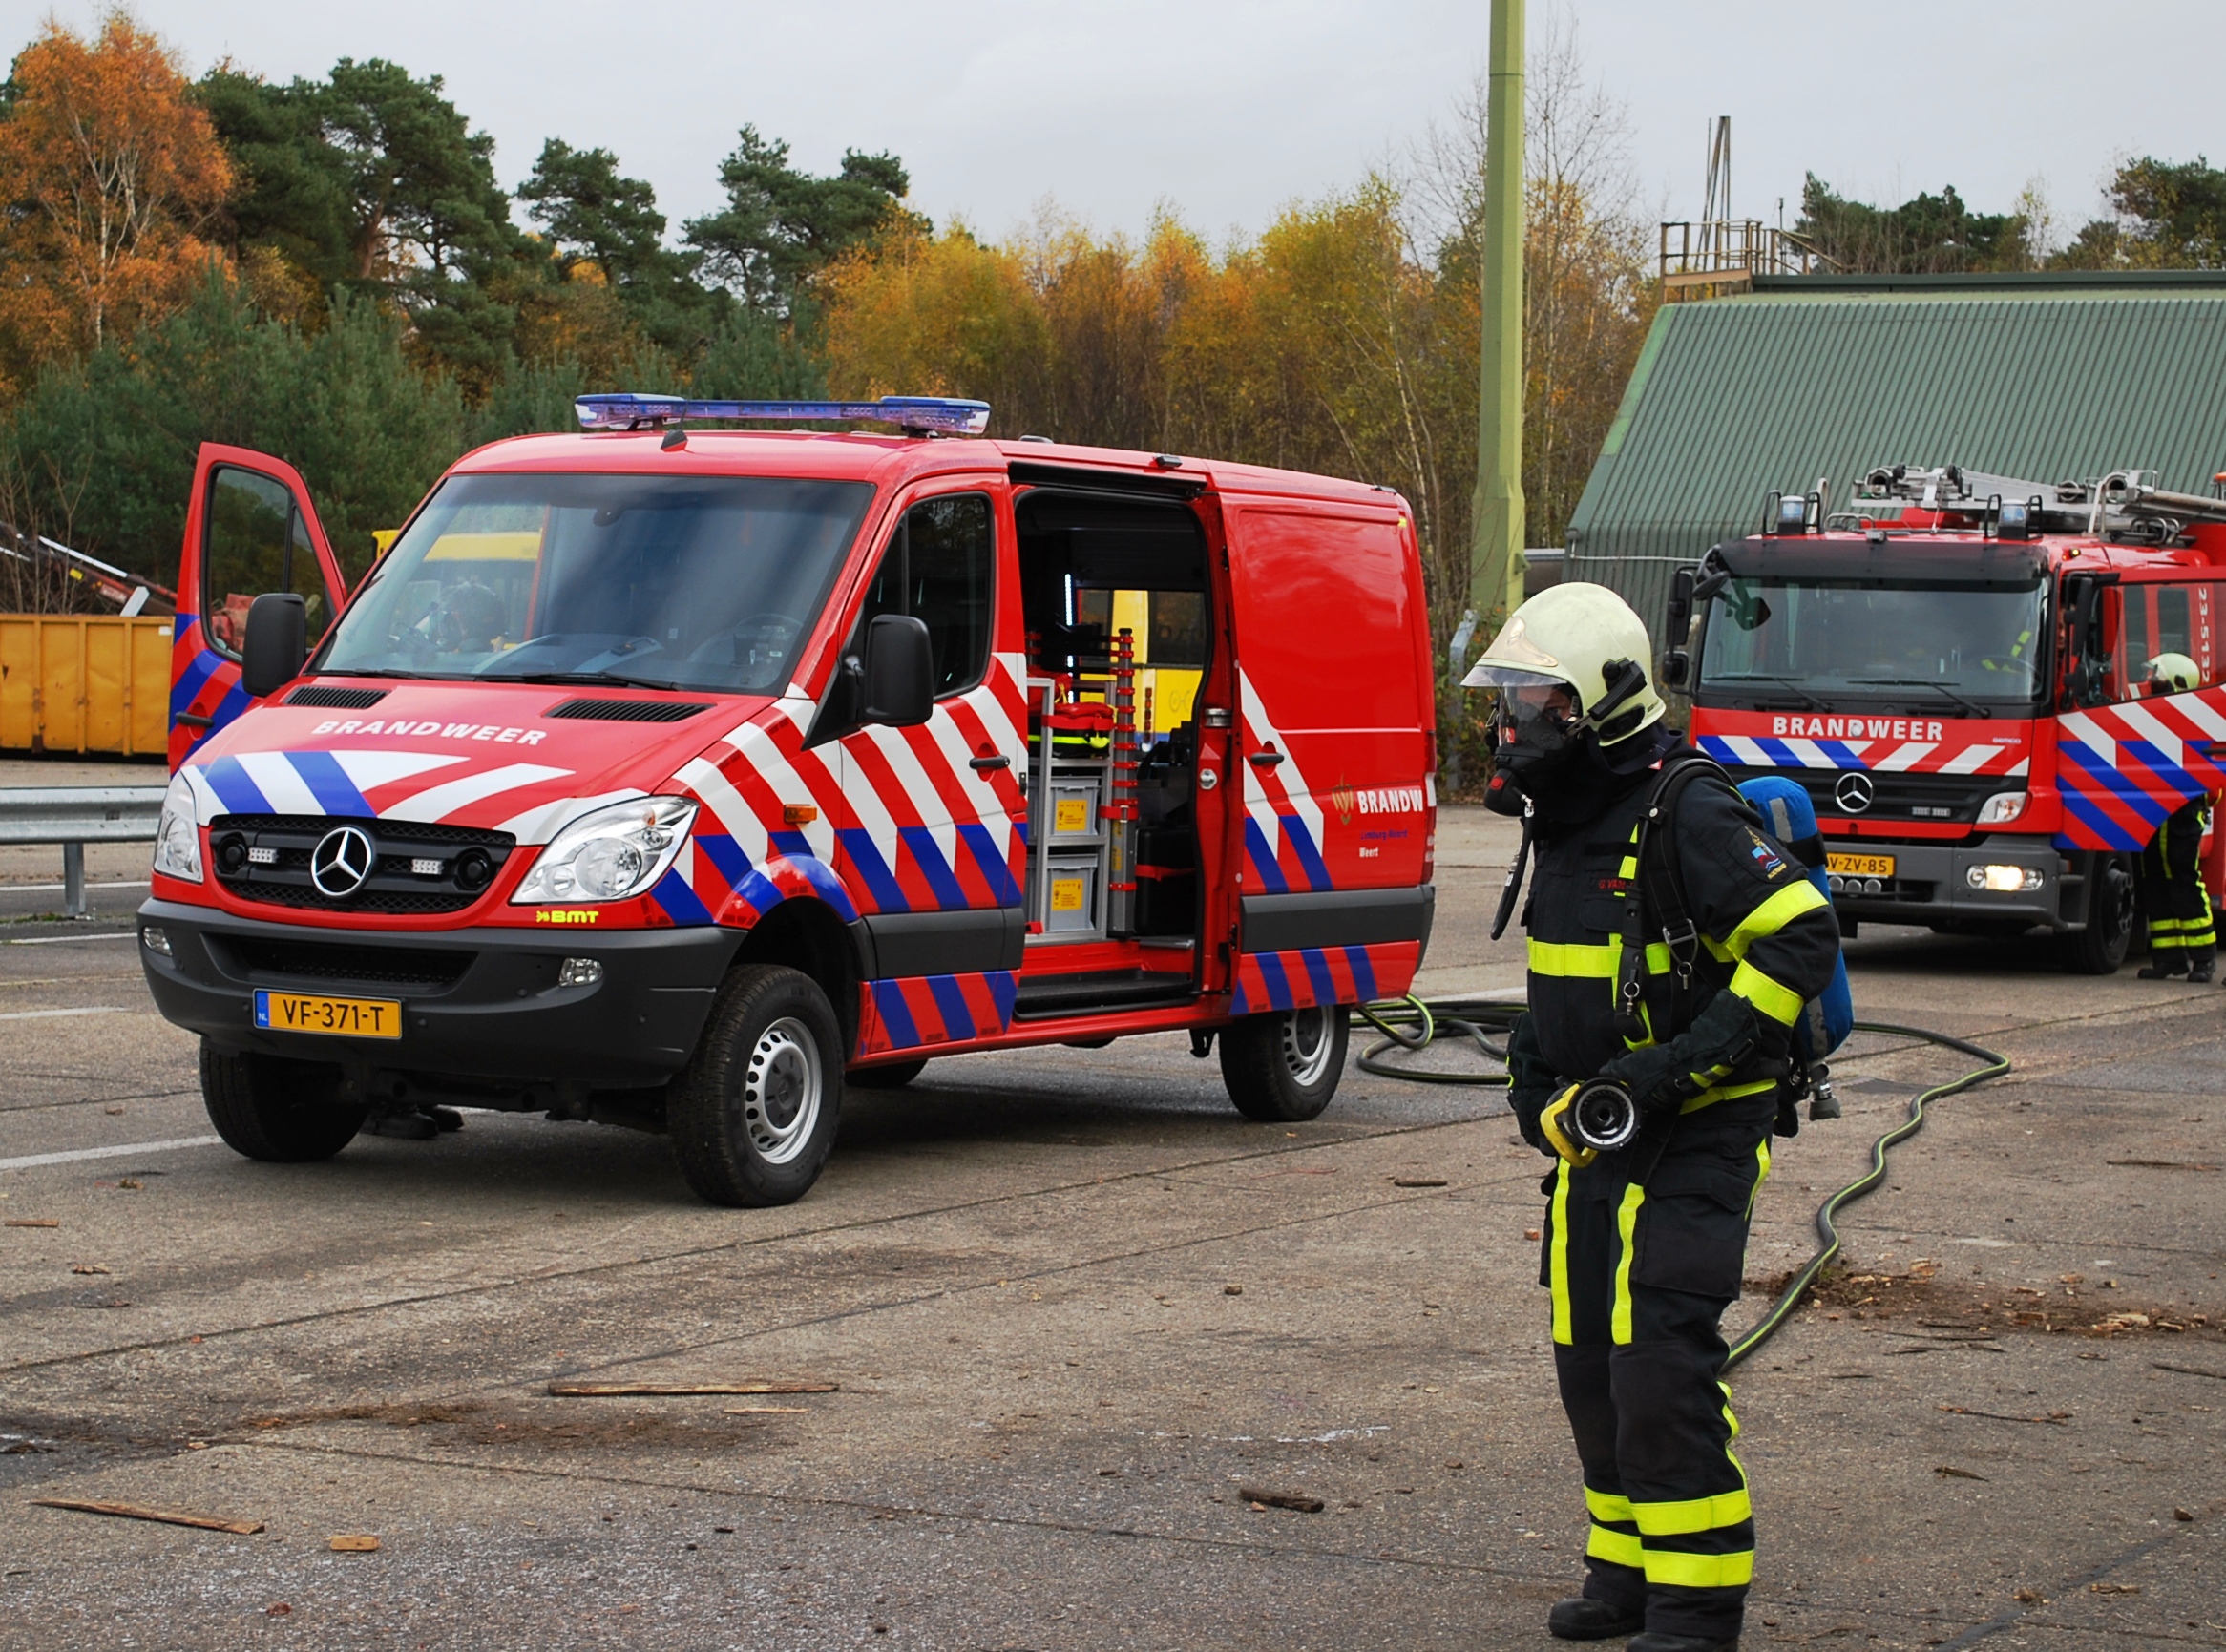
(341,862)
(1854,793)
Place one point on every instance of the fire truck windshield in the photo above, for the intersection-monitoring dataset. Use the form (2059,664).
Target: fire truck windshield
(1804,641)
(666,581)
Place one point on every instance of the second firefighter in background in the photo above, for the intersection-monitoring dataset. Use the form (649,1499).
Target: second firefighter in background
(1644,1246)
(2176,904)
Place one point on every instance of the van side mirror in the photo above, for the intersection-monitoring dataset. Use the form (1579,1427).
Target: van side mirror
(1677,666)
(900,671)
(1681,598)
(276,645)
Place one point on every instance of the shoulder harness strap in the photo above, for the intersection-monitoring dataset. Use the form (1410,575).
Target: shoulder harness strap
(1656,907)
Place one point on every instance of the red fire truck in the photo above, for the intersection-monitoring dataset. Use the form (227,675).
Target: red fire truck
(1953,670)
(659,775)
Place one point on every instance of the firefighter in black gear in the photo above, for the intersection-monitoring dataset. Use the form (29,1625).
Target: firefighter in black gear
(1644,1246)
(2182,936)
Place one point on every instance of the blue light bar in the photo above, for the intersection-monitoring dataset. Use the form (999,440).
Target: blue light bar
(635,412)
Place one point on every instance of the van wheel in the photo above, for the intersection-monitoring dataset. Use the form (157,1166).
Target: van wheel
(1283,1067)
(279,1110)
(890,1075)
(2100,947)
(753,1114)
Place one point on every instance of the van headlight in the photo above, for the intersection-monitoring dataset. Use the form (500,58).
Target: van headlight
(608,854)
(178,834)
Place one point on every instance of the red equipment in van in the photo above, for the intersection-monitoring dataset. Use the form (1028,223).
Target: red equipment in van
(659,775)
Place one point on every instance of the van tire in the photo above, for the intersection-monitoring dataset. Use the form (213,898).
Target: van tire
(2100,947)
(281,1112)
(753,1114)
(1283,1067)
(888,1075)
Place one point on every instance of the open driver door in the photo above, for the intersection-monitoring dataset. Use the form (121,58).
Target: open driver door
(249,528)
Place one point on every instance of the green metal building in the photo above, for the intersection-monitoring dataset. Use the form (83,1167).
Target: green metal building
(2047,377)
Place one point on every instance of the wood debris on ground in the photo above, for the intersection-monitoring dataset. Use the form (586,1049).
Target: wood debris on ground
(1264,1499)
(623,1391)
(163,1517)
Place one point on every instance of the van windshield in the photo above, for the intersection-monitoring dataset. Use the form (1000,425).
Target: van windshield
(666,581)
(1787,641)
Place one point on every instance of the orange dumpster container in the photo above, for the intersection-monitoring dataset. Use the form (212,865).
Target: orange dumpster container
(85,682)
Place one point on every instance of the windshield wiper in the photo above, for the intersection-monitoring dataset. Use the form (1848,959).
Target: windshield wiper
(372,671)
(574,679)
(1945,687)
(1808,701)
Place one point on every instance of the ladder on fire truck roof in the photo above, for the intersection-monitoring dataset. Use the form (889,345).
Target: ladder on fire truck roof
(2126,504)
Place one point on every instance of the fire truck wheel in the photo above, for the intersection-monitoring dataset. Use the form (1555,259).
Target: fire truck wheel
(1283,1067)
(2100,947)
(282,1112)
(753,1114)
(892,1075)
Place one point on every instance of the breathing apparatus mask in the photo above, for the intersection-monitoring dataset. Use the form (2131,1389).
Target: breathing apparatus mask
(1546,746)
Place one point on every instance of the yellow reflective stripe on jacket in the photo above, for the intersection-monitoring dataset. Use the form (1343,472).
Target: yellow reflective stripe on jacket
(1772,915)
(1700,1571)
(1607,1506)
(1591,960)
(1626,1222)
(1694,1514)
(1729,1091)
(1620,1547)
(1771,998)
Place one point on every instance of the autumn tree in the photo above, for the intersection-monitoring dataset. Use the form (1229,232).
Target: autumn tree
(110,173)
(2164,215)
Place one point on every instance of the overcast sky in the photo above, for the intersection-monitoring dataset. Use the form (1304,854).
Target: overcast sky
(1228,110)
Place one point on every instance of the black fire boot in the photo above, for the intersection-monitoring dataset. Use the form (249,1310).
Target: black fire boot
(445,1118)
(2166,969)
(1654,1642)
(1585,1618)
(2201,968)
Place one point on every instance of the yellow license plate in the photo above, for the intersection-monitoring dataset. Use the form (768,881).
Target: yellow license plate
(1859,866)
(1071,814)
(1066,895)
(313,1013)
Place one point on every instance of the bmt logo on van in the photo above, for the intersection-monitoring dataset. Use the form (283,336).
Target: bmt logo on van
(1856,727)
(493,731)
(566,916)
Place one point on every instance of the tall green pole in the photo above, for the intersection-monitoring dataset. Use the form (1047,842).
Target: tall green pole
(1496,558)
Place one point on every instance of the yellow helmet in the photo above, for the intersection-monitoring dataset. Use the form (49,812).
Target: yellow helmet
(1584,638)
(2174,674)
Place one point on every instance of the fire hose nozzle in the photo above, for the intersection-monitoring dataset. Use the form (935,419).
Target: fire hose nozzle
(1602,1116)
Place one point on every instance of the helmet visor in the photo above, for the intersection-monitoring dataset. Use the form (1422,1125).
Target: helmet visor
(1533,709)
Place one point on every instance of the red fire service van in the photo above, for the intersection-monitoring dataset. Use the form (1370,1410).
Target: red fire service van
(1954,671)
(678,776)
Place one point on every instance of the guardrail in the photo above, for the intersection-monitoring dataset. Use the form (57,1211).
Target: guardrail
(74,816)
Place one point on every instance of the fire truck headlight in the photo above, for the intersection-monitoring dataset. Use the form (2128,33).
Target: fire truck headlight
(608,854)
(2002,880)
(178,836)
(2003,807)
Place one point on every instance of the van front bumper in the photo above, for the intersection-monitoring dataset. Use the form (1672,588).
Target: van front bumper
(1931,883)
(480,1004)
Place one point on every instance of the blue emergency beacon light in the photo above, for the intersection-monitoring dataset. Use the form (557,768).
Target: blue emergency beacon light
(633,411)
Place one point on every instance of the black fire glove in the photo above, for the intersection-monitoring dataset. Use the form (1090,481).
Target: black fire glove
(1530,1083)
(1662,1077)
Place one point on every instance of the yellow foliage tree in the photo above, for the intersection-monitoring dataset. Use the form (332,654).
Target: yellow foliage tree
(112,173)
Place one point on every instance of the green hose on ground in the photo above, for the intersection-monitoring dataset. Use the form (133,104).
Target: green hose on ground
(1410,1025)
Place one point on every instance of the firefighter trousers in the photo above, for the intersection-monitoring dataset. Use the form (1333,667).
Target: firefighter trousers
(1640,1277)
(2172,897)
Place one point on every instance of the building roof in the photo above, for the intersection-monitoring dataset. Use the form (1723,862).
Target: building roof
(2049,377)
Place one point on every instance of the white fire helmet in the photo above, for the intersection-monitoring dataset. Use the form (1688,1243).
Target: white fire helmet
(1566,637)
